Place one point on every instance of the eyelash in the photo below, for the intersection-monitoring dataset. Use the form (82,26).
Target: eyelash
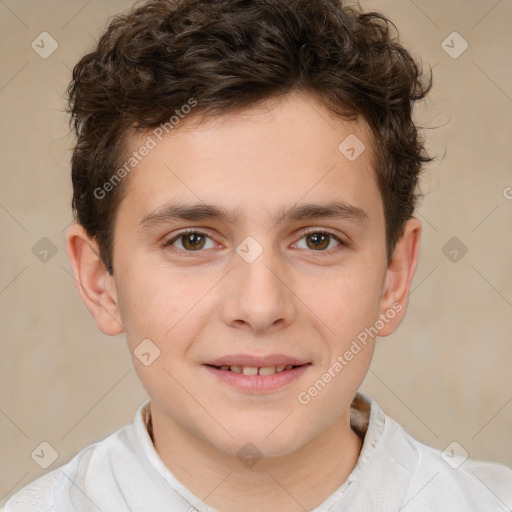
(168,243)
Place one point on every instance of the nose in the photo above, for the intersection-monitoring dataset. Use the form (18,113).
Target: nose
(258,295)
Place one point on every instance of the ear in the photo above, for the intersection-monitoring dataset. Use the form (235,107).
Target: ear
(95,285)
(399,276)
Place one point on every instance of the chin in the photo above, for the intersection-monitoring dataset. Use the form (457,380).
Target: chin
(258,442)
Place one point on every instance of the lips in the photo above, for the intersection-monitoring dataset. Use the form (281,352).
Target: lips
(257,375)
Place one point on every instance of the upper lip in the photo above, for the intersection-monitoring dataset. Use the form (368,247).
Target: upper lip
(255,361)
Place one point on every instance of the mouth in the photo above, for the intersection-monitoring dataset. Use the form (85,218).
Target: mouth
(257,375)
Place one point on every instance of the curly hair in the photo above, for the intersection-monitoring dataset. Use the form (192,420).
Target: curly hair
(229,55)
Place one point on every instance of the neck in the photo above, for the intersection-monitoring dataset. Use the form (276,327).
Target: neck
(281,484)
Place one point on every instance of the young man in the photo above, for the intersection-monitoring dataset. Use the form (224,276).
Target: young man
(244,188)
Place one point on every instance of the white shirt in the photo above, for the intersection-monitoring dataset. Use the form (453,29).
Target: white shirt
(394,471)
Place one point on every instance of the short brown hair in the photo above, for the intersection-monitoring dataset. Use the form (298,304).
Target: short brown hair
(229,55)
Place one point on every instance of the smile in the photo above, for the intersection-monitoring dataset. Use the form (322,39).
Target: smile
(254,370)
(256,380)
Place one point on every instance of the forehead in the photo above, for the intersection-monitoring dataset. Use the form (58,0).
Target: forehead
(261,160)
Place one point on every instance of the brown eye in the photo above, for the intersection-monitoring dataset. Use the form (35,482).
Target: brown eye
(191,241)
(321,241)
(318,240)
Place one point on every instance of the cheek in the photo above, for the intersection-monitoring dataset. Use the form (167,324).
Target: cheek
(348,300)
(348,312)
(150,305)
(151,289)
(154,312)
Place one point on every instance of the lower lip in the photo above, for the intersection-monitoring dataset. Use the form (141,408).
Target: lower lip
(258,384)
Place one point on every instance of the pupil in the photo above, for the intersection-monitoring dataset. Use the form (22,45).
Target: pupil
(193,240)
(319,240)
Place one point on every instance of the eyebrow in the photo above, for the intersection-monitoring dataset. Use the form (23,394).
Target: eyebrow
(202,212)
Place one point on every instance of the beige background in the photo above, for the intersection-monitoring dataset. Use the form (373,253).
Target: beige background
(445,375)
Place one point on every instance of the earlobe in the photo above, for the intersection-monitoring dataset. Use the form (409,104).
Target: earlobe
(95,285)
(399,277)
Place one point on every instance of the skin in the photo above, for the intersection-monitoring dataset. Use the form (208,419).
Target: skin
(294,299)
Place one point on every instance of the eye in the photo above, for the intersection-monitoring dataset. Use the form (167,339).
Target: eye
(320,241)
(190,241)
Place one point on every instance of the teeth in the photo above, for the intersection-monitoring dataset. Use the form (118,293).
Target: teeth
(269,370)
(250,370)
(254,370)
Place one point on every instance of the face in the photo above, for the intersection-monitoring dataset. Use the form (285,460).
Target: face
(250,243)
